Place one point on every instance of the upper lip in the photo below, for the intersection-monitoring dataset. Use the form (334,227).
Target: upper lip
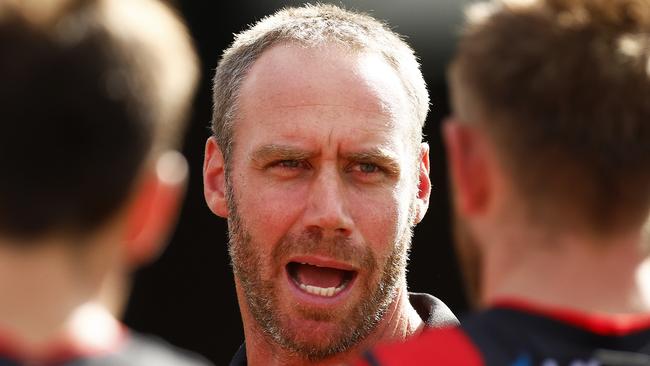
(322,261)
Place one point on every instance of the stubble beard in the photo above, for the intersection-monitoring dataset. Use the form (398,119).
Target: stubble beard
(261,295)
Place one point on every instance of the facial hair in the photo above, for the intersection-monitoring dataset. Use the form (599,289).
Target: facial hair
(356,321)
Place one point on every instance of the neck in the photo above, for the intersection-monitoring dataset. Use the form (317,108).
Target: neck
(400,321)
(38,294)
(45,303)
(89,329)
(571,272)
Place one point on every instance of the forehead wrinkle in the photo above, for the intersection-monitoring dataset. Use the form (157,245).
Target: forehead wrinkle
(384,110)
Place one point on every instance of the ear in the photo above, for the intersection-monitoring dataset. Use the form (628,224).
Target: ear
(154,209)
(214,178)
(424,183)
(468,168)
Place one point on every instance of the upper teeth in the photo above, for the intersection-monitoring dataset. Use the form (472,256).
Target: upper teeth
(322,291)
(309,264)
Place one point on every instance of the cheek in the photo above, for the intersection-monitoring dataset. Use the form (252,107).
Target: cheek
(268,210)
(378,219)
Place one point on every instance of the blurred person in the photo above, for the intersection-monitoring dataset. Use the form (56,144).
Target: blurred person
(549,150)
(317,162)
(93,98)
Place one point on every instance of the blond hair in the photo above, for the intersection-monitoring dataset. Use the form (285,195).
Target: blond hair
(311,26)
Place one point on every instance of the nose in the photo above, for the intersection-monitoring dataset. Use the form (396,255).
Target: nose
(327,207)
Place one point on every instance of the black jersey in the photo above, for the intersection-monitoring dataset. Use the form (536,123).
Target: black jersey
(515,333)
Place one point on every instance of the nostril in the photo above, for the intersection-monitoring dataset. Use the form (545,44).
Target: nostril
(317,234)
(343,231)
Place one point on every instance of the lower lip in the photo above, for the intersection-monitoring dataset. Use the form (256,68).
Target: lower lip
(313,299)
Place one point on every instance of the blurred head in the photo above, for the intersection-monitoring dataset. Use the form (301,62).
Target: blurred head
(318,163)
(551,121)
(94,97)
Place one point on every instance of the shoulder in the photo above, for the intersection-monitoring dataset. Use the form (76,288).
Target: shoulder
(446,346)
(434,312)
(240,357)
(141,350)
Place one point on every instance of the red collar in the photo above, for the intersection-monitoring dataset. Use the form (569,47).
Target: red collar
(601,323)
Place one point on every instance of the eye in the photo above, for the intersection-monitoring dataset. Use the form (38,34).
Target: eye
(368,168)
(288,167)
(368,173)
(292,164)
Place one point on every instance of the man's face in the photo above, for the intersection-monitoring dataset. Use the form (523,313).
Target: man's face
(321,188)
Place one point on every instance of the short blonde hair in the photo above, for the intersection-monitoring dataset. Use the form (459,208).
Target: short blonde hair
(311,25)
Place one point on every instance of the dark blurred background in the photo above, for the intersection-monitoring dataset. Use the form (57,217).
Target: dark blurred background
(188,296)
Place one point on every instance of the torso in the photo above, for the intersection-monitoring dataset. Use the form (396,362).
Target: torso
(520,335)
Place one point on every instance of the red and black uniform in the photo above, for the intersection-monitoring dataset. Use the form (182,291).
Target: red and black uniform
(516,333)
(129,349)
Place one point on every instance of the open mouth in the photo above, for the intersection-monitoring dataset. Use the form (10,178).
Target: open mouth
(319,280)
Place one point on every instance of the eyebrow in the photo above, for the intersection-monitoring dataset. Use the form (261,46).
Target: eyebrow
(380,156)
(273,151)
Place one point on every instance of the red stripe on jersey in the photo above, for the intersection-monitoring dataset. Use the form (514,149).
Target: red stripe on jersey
(600,323)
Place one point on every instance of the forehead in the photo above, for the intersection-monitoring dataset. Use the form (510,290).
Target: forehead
(291,76)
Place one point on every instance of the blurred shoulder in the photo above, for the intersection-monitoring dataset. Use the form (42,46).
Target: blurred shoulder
(145,350)
(445,346)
